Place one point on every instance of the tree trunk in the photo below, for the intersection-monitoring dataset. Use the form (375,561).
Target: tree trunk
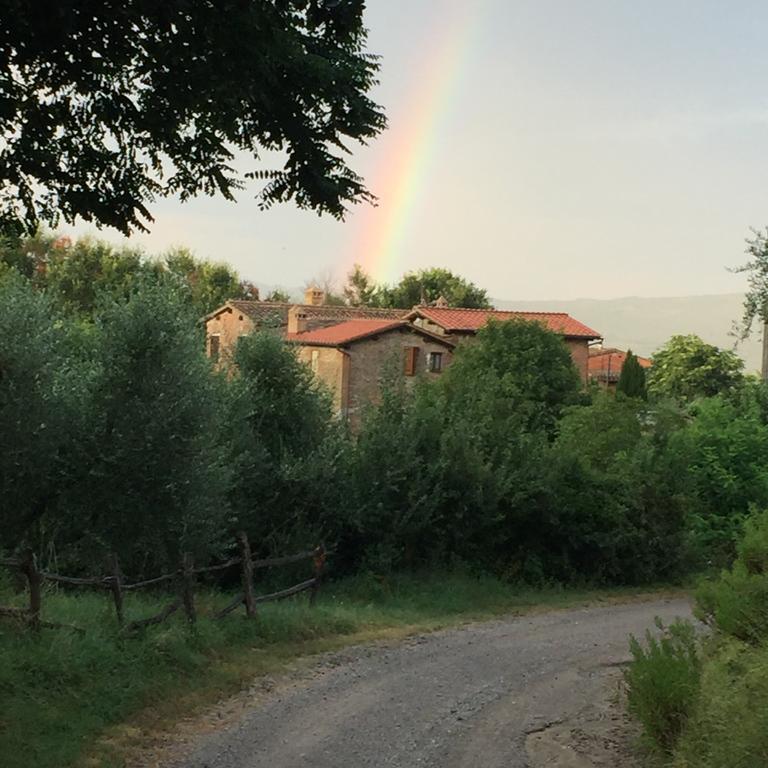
(765,351)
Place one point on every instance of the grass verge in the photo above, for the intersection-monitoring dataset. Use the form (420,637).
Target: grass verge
(68,699)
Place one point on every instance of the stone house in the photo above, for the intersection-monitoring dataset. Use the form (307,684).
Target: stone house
(351,357)
(460,324)
(225,325)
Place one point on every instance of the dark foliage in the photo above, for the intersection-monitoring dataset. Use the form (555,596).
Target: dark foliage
(105,107)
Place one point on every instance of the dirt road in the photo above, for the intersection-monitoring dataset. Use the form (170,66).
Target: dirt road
(532,691)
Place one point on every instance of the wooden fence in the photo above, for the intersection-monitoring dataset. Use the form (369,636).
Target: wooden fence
(183,578)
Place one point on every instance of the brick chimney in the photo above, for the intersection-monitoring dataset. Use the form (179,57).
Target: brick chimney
(314,296)
(297,319)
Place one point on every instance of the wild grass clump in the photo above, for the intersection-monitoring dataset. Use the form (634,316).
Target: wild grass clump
(664,682)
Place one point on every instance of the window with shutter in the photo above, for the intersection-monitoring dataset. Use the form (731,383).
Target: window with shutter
(411,356)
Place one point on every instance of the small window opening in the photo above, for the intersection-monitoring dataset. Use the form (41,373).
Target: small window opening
(435,362)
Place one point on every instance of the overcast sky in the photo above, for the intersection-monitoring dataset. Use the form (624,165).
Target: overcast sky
(542,148)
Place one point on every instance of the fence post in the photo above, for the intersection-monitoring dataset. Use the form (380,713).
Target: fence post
(116,586)
(188,595)
(246,573)
(319,560)
(29,566)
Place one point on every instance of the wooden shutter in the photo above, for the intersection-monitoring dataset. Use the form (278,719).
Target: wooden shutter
(411,356)
(213,350)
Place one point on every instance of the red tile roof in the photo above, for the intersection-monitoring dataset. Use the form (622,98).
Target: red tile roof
(606,363)
(463,320)
(344,333)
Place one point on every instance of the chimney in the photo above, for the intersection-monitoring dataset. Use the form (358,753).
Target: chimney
(297,320)
(314,296)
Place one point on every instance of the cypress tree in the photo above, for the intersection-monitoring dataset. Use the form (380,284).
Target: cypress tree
(632,378)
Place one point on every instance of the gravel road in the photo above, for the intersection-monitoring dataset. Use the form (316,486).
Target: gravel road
(534,691)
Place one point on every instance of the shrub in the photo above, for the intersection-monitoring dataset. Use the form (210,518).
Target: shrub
(729,726)
(737,603)
(664,682)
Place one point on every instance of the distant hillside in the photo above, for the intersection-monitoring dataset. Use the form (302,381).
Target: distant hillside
(644,324)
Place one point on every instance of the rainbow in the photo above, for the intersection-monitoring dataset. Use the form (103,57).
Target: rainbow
(400,176)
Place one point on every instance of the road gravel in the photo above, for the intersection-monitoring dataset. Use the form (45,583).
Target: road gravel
(532,691)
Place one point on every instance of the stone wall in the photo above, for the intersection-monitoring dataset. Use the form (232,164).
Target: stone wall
(369,359)
(228,325)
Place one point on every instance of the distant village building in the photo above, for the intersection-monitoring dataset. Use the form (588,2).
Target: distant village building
(349,348)
(605,365)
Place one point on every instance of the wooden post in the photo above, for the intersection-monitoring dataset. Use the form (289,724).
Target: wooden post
(319,561)
(246,573)
(29,566)
(116,586)
(188,584)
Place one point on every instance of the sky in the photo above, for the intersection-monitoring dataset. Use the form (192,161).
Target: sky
(544,149)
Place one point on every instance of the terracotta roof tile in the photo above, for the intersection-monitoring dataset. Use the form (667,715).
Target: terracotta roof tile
(346,332)
(458,320)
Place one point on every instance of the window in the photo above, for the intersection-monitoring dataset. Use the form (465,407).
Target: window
(213,348)
(435,362)
(315,356)
(411,356)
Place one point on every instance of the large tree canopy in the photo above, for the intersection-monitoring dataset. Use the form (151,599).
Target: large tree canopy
(686,367)
(104,106)
(422,287)
(78,275)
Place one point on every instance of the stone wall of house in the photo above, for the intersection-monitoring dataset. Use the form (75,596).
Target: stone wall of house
(331,366)
(228,325)
(369,359)
(579,349)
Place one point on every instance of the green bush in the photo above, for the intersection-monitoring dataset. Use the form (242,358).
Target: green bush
(737,602)
(729,726)
(663,682)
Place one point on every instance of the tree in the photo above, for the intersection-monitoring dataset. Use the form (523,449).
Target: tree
(515,373)
(105,109)
(278,295)
(283,446)
(756,298)
(429,285)
(360,290)
(155,479)
(34,425)
(632,378)
(686,367)
(79,274)
(207,284)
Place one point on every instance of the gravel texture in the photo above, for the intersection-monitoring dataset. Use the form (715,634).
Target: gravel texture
(538,690)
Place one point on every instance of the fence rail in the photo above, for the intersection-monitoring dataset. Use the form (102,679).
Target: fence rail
(184,578)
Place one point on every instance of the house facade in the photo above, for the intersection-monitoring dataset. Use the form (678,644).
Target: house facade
(352,356)
(225,325)
(460,324)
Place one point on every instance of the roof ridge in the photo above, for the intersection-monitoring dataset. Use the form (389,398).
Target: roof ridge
(480,309)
